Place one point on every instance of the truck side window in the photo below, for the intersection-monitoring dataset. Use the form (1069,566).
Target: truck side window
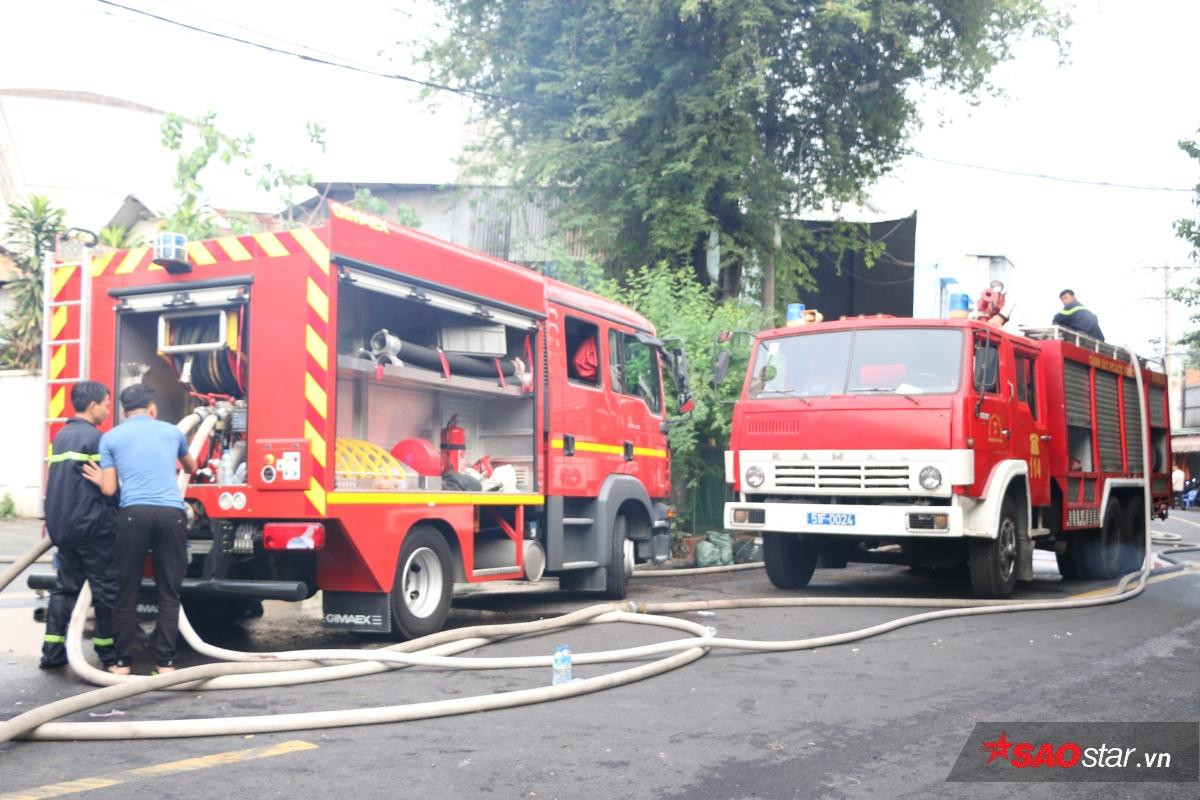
(634,367)
(583,351)
(1027,382)
(987,365)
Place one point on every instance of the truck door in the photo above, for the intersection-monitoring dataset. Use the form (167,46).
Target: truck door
(583,418)
(636,381)
(991,419)
(1030,437)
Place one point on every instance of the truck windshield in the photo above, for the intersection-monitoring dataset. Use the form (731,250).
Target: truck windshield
(875,361)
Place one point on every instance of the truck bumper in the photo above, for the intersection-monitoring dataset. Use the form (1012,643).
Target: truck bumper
(892,521)
(199,587)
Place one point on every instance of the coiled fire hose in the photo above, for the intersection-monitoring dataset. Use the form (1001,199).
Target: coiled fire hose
(436,650)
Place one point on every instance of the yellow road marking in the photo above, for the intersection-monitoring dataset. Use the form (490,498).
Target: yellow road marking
(158,770)
(1184,521)
(1189,570)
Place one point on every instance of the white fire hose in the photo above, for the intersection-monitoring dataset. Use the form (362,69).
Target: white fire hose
(240,669)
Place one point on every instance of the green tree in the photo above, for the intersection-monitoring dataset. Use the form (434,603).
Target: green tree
(664,124)
(32,230)
(1188,229)
(191,214)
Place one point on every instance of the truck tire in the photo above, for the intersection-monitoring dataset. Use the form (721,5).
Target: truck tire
(993,562)
(790,559)
(1070,561)
(616,572)
(420,597)
(1133,536)
(1102,556)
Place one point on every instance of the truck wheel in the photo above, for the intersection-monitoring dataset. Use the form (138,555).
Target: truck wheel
(1102,556)
(420,597)
(1070,561)
(620,562)
(790,559)
(993,562)
(1133,537)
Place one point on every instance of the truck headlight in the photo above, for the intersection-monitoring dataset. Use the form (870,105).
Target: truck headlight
(930,478)
(755,476)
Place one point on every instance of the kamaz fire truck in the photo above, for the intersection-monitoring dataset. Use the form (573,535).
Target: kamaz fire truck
(390,414)
(937,442)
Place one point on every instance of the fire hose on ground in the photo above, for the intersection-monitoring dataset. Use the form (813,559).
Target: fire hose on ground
(437,650)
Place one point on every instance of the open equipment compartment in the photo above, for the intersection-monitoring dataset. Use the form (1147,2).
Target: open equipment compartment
(432,387)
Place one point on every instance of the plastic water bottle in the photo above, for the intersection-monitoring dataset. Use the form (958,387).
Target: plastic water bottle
(562,664)
(226,472)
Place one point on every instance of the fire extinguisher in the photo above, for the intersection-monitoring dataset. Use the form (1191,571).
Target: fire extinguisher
(454,445)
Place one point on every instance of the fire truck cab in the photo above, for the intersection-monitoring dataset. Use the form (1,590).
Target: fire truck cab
(390,414)
(935,443)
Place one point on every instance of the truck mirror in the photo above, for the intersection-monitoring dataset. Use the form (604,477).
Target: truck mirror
(720,367)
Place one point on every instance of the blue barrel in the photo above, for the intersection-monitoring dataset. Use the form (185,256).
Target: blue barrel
(960,305)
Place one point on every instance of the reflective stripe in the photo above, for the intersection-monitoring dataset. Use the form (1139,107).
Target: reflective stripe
(1066,312)
(71,455)
(54,638)
(101,641)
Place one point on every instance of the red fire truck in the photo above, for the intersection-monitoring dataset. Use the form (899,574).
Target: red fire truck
(937,442)
(394,413)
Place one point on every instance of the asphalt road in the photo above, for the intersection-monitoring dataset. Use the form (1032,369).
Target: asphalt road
(885,717)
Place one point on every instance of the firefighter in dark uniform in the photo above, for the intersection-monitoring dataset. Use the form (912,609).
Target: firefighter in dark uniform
(82,523)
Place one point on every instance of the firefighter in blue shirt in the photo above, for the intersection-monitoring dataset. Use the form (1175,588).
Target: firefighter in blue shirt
(1073,315)
(82,523)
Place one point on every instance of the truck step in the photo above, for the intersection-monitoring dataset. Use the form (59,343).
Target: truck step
(580,564)
(582,522)
(1036,532)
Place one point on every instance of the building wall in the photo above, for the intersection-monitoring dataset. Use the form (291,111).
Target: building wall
(22,426)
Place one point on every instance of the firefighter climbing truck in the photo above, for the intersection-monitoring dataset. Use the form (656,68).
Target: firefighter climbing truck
(937,442)
(381,414)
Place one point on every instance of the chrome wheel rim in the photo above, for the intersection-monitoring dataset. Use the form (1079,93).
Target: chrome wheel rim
(421,585)
(1006,546)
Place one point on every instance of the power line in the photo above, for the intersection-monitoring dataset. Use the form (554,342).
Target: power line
(1043,176)
(441,87)
(343,63)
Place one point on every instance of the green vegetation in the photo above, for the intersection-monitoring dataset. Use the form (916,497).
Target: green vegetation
(33,227)
(663,128)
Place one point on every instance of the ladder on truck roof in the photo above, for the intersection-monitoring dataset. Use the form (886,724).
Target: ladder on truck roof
(66,325)
(1057,332)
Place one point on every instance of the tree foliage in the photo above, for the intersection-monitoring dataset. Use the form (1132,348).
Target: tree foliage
(33,228)
(1188,229)
(667,120)
(684,309)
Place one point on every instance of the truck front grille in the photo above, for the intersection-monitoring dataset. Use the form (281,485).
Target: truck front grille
(842,476)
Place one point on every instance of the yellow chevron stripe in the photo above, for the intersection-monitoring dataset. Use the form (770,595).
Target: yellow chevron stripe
(233,248)
(100,263)
(59,279)
(315,248)
(58,402)
(434,499)
(58,321)
(131,260)
(318,301)
(610,449)
(270,244)
(199,254)
(316,441)
(316,395)
(58,361)
(316,495)
(316,347)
